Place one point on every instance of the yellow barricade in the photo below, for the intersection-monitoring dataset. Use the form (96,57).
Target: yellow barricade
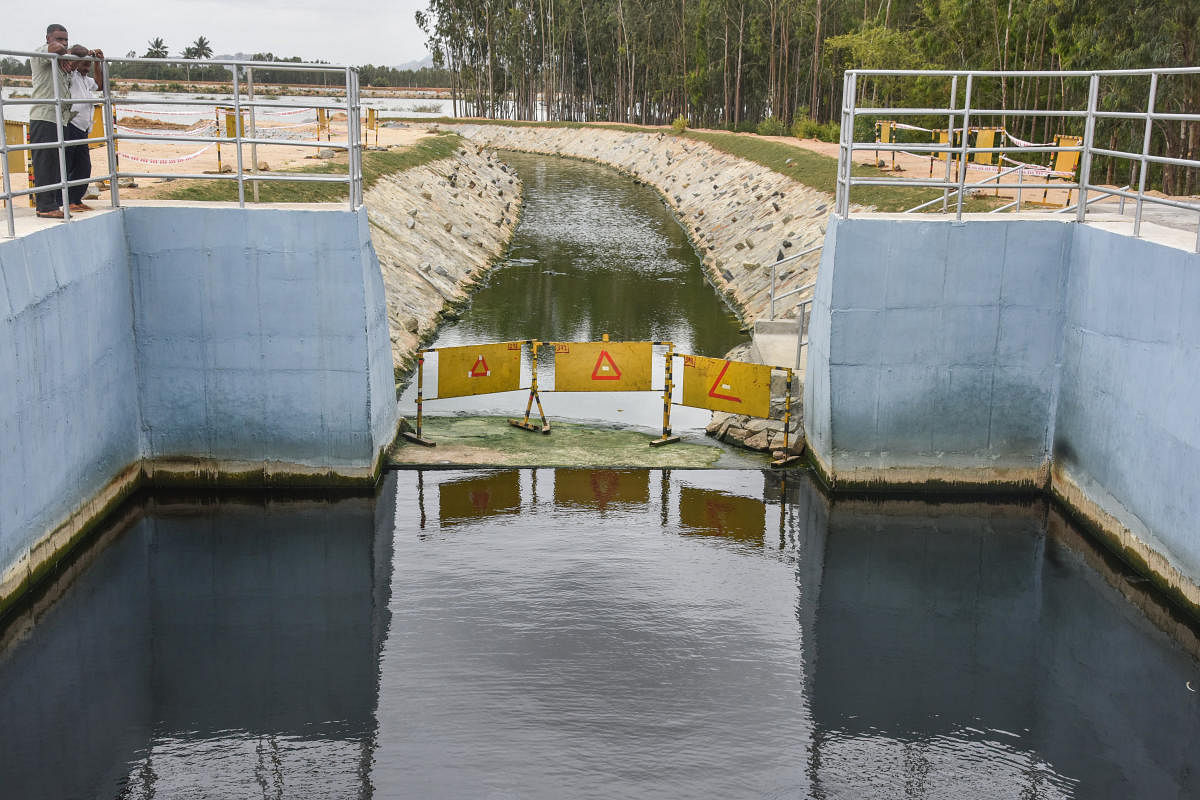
(231,120)
(475,498)
(97,127)
(597,488)
(479,369)
(602,366)
(14,133)
(986,137)
(883,131)
(736,387)
(323,123)
(1066,162)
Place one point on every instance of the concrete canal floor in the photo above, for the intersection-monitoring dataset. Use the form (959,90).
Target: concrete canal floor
(491,441)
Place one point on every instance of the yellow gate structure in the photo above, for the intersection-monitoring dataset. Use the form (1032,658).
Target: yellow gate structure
(716,384)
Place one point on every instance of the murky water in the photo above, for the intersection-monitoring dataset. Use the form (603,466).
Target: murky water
(594,254)
(595,633)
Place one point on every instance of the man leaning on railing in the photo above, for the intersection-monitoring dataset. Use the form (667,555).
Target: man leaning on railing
(43,127)
(83,87)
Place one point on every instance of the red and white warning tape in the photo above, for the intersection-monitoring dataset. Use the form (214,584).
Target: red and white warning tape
(180,160)
(193,131)
(200,111)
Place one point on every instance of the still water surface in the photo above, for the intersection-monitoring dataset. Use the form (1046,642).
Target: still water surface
(595,633)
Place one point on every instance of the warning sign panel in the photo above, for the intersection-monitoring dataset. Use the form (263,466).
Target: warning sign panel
(479,369)
(602,366)
(733,386)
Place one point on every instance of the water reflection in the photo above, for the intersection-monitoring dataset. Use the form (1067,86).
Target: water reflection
(213,649)
(578,633)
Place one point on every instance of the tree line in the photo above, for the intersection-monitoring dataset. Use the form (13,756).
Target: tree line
(771,64)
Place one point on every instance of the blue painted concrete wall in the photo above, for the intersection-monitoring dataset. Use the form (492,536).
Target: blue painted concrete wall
(1128,420)
(1002,351)
(68,387)
(260,330)
(236,337)
(936,346)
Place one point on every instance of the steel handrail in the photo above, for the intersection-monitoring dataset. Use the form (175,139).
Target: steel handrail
(111,136)
(774,279)
(958,149)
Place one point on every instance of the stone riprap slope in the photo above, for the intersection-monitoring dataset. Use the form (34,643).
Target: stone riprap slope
(436,229)
(740,215)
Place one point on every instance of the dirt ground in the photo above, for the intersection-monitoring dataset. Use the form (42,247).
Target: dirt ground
(198,158)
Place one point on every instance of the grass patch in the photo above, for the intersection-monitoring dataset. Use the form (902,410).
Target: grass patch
(796,162)
(376,164)
(820,172)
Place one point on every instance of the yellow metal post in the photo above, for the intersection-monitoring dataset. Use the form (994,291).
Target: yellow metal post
(416,437)
(524,424)
(788,458)
(668,389)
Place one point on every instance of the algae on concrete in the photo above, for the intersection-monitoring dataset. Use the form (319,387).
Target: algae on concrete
(492,441)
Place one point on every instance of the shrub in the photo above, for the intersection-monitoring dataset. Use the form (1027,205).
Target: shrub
(771,126)
(806,129)
(830,132)
(679,124)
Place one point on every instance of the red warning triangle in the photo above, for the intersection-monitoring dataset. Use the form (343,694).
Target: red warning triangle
(480,370)
(600,372)
(712,391)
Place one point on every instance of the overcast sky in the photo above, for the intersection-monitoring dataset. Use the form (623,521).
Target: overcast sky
(341,31)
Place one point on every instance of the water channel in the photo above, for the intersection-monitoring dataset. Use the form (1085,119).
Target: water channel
(580,633)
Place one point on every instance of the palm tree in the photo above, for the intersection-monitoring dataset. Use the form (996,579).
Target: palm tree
(202,48)
(188,54)
(158,48)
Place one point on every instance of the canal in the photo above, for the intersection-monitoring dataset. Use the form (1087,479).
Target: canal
(594,254)
(595,633)
(578,633)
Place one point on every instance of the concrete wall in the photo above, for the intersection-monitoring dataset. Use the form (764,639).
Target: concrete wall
(1015,353)
(68,388)
(1128,424)
(259,336)
(935,350)
(192,345)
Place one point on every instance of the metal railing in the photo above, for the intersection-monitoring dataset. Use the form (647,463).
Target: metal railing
(775,279)
(961,118)
(241,83)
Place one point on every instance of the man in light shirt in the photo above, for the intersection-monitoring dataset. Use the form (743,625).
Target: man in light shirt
(83,87)
(43,124)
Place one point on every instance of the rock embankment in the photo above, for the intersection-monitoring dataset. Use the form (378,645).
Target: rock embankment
(436,229)
(741,216)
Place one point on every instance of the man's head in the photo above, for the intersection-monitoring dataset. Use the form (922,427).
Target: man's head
(79,51)
(56,33)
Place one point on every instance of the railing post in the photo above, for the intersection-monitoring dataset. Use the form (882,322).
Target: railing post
(110,134)
(9,199)
(237,137)
(774,268)
(962,158)
(55,68)
(253,131)
(846,136)
(1085,161)
(1137,213)
(949,141)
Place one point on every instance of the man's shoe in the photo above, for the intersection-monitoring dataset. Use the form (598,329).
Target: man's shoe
(55,214)
(80,207)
